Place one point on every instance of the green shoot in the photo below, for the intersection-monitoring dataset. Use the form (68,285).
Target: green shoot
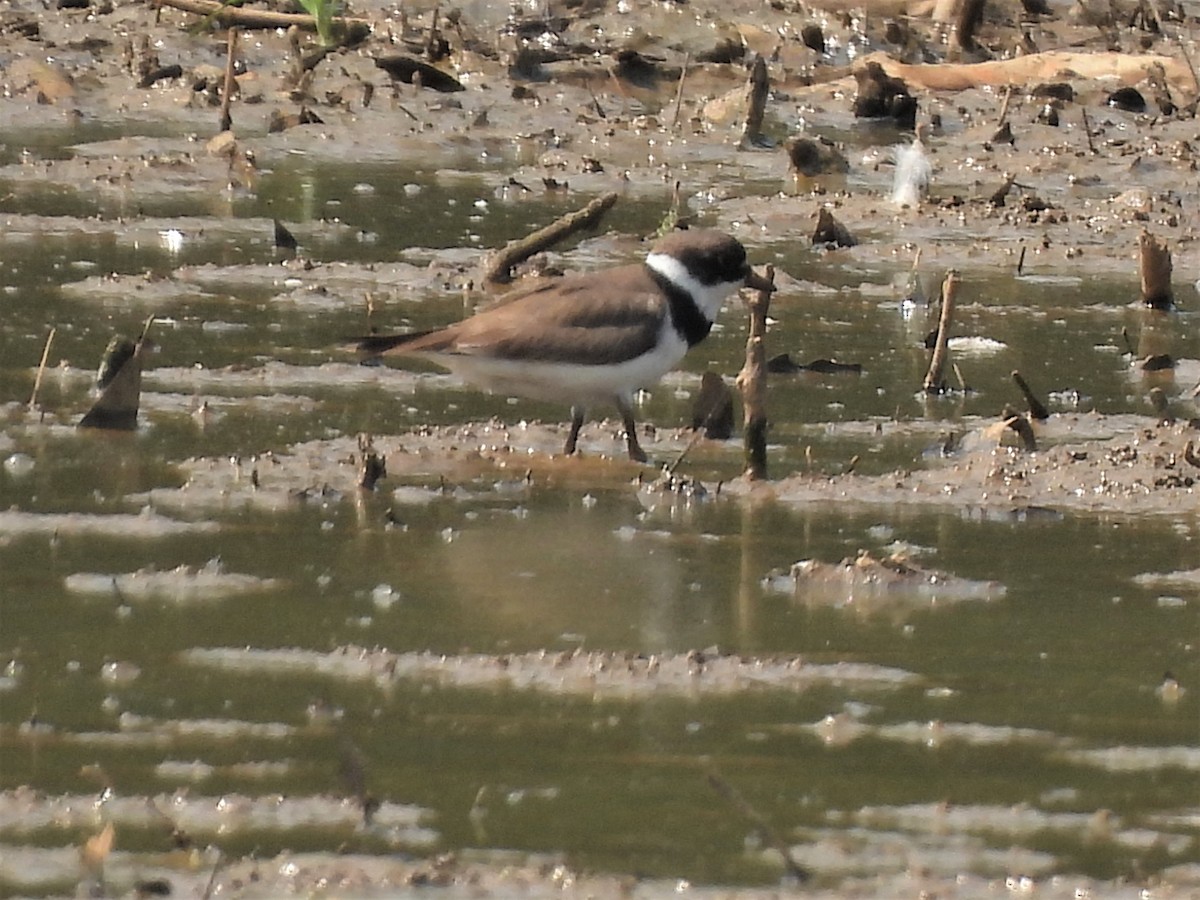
(322,13)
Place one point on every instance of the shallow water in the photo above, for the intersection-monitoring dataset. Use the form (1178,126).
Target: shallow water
(1033,733)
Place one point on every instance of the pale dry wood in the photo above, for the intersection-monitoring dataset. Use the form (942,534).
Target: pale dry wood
(1128,68)
(37,381)
(935,379)
(250,18)
(877,7)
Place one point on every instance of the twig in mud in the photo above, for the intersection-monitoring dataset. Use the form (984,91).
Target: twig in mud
(1008,92)
(1087,130)
(700,427)
(735,799)
(958,376)
(1128,343)
(498,265)
(212,877)
(1021,260)
(353,769)
(757,89)
(596,100)
(226,123)
(41,370)
(752,384)
(679,91)
(226,14)
(935,383)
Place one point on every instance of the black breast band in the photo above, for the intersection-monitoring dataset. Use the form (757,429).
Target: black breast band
(686,317)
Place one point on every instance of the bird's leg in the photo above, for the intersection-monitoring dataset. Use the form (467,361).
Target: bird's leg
(636,453)
(577,414)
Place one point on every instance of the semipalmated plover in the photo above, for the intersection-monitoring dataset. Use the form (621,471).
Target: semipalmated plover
(592,338)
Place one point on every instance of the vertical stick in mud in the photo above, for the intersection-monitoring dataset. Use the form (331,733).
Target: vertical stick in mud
(752,384)
(41,369)
(758,87)
(935,381)
(227,87)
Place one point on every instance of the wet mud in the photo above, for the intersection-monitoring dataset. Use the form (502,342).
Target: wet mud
(1047,142)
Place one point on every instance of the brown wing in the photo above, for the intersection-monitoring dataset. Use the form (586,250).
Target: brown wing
(607,317)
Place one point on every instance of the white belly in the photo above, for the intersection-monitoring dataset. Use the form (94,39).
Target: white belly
(576,384)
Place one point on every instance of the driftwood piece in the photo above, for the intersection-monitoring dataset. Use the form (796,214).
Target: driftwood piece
(225,14)
(1034,68)
(411,70)
(935,381)
(783,364)
(498,265)
(758,87)
(752,384)
(683,70)
(1154,271)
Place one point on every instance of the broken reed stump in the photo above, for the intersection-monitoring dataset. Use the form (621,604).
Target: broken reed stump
(1013,420)
(935,382)
(120,384)
(830,232)
(1154,271)
(712,412)
(1037,409)
(970,17)
(498,265)
(752,384)
(757,89)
